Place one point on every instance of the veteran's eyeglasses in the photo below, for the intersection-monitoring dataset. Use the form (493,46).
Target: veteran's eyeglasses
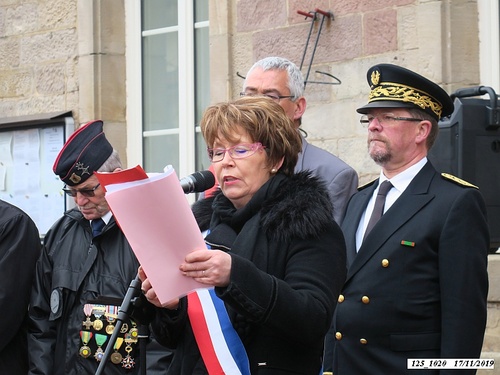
(240,151)
(87,193)
(271,96)
(385,119)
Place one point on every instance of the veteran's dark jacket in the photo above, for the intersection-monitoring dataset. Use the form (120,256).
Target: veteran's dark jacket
(287,269)
(19,250)
(74,270)
(417,287)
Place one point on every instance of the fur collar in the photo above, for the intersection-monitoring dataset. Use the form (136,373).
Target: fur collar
(301,208)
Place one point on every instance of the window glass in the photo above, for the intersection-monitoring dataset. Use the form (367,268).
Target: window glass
(160,151)
(158,13)
(160,82)
(200,10)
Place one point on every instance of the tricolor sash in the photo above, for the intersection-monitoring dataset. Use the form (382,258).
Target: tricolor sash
(220,346)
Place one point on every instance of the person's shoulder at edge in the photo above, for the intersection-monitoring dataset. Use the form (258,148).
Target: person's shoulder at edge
(9,210)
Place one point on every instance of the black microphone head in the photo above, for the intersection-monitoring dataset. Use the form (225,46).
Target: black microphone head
(204,180)
(198,182)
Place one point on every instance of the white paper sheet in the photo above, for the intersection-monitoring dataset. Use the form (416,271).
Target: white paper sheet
(156,219)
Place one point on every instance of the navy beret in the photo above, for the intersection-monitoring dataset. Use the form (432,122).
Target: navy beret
(393,86)
(83,153)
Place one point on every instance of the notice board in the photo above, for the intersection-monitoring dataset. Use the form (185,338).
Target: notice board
(29,146)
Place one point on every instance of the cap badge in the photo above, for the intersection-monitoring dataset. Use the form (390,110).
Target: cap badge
(81,167)
(375,78)
(75,178)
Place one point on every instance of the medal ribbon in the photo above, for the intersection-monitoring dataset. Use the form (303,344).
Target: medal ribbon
(111,314)
(85,336)
(85,350)
(100,339)
(118,343)
(98,310)
(87,309)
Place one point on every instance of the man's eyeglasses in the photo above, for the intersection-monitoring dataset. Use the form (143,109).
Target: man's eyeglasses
(385,119)
(274,97)
(241,151)
(88,193)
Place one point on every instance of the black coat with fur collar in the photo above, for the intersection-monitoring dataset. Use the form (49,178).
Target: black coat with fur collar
(288,265)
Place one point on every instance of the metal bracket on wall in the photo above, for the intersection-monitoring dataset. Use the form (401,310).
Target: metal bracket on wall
(326,15)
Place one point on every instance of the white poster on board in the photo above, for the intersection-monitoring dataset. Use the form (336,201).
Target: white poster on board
(26,176)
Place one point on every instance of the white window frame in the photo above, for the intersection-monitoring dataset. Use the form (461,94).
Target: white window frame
(489,43)
(134,114)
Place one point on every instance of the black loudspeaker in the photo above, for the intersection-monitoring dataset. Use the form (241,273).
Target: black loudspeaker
(468,146)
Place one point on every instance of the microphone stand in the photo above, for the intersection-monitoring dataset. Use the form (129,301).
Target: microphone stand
(133,292)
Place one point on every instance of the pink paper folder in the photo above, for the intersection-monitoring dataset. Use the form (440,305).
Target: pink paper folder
(156,219)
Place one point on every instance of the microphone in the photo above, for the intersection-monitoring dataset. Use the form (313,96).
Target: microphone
(197,182)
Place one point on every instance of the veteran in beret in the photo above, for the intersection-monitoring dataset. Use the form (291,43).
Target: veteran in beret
(84,272)
(417,242)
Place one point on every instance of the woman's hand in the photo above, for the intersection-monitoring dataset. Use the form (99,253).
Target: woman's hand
(211,267)
(150,293)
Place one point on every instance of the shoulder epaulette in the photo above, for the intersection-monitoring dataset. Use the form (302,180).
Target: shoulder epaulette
(361,187)
(457,180)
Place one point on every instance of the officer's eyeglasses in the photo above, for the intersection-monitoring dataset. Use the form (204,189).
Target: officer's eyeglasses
(87,193)
(385,119)
(274,97)
(240,151)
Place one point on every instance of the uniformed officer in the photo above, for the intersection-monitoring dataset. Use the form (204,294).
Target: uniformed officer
(417,281)
(83,274)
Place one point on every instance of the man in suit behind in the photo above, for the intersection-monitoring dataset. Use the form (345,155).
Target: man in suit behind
(281,80)
(417,283)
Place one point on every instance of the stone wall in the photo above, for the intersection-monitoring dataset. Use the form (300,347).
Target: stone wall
(65,55)
(38,57)
(101,68)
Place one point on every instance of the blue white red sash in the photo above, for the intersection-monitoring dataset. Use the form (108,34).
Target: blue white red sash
(220,346)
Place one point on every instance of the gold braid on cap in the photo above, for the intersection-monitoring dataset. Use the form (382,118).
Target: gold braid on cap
(398,92)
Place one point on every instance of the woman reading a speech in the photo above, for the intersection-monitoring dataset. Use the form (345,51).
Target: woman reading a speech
(275,259)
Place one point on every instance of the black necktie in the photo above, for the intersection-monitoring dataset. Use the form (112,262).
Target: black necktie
(378,208)
(97,225)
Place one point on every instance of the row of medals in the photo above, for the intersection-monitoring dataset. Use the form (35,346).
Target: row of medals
(129,335)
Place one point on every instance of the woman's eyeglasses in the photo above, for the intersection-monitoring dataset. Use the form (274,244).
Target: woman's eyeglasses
(88,193)
(240,151)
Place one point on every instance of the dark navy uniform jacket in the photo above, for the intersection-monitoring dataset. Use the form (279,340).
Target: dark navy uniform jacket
(417,287)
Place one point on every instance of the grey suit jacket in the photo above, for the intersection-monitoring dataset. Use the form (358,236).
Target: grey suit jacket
(341,180)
